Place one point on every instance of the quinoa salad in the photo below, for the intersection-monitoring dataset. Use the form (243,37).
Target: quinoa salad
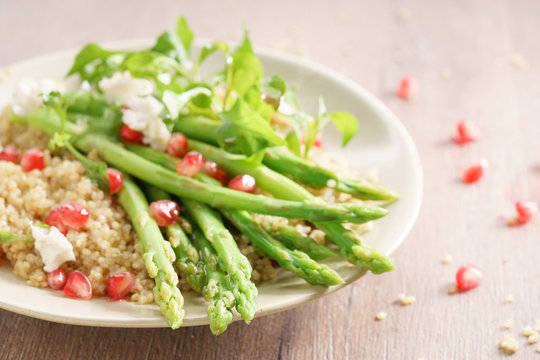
(137,178)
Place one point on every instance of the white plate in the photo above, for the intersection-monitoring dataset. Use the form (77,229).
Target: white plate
(382,143)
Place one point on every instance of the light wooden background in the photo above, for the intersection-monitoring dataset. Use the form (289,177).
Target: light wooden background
(372,42)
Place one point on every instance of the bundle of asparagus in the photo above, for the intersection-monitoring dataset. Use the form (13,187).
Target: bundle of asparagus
(231,122)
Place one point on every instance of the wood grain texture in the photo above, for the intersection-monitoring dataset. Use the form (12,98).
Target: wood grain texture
(369,42)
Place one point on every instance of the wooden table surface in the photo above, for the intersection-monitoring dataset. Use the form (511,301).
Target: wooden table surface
(476,60)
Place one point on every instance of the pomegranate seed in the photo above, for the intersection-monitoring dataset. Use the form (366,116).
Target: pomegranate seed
(57,279)
(526,211)
(215,171)
(78,286)
(131,136)
(33,159)
(124,107)
(475,172)
(468,277)
(191,164)
(165,212)
(466,132)
(116,180)
(245,183)
(73,215)
(10,153)
(177,145)
(407,87)
(54,220)
(318,142)
(119,285)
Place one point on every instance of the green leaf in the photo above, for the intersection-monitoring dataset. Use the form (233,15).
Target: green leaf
(346,124)
(313,126)
(88,54)
(246,69)
(95,170)
(176,102)
(176,45)
(253,98)
(273,89)
(244,131)
(293,143)
(93,63)
(151,64)
(211,48)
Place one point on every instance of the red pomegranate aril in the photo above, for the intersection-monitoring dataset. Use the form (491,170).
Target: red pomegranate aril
(165,212)
(474,172)
(215,171)
(73,215)
(33,159)
(131,136)
(78,286)
(526,211)
(318,141)
(245,183)
(124,107)
(119,285)
(57,279)
(407,87)
(53,219)
(465,132)
(116,180)
(468,277)
(10,153)
(191,164)
(177,145)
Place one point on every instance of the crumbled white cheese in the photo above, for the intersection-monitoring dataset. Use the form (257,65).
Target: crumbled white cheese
(26,96)
(143,115)
(123,87)
(53,247)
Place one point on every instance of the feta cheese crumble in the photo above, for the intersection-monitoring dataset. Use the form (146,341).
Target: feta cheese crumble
(143,116)
(53,247)
(26,96)
(123,87)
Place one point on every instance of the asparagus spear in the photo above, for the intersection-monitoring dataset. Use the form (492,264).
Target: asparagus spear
(157,253)
(285,162)
(233,261)
(282,187)
(215,291)
(295,261)
(186,187)
(187,256)
(295,240)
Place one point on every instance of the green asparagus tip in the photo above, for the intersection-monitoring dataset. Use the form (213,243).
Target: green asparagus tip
(373,260)
(220,317)
(366,212)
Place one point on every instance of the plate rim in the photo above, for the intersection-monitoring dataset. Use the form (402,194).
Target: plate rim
(351,86)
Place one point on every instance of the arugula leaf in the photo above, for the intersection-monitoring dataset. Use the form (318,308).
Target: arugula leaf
(151,64)
(253,98)
(273,89)
(245,67)
(176,45)
(346,124)
(244,131)
(211,48)
(293,143)
(95,170)
(93,63)
(313,126)
(175,102)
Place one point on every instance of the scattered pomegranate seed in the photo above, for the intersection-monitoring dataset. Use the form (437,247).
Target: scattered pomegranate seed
(468,277)
(119,285)
(165,212)
(33,159)
(10,153)
(78,286)
(318,142)
(131,136)
(57,279)
(215,171)
(475,172)
(407,87)
(526,211)
(191,164)
(124,107)
(245,183)
(73,215)
(54,220)
(116,180)
(177,145)
(465,132)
